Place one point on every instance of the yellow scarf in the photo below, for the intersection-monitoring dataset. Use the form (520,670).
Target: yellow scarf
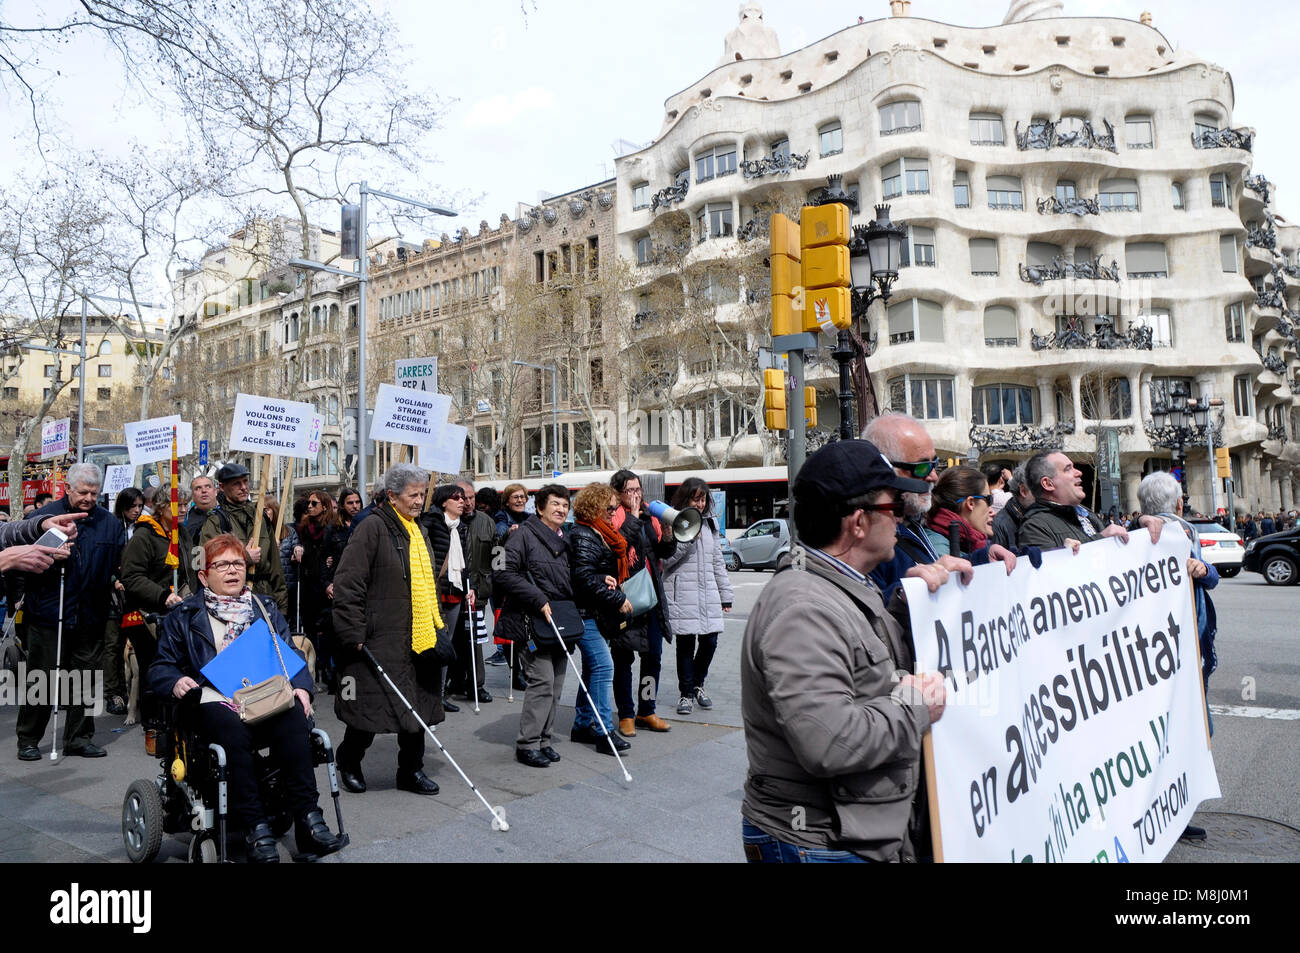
(172,561)
(425,618)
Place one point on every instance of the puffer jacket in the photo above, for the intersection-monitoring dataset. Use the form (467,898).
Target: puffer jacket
(536,571)
(696,583)
(435,524)
(590,561)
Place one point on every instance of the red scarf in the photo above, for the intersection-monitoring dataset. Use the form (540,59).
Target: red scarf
(615,541)
(971,538)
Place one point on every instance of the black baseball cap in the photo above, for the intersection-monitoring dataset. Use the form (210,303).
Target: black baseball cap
(848,469)
(231,471)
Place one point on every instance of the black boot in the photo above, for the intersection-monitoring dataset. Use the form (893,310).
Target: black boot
(314,836)
(261,844)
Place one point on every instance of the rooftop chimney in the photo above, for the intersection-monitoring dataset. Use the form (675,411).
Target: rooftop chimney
(900,8)
(1145,18)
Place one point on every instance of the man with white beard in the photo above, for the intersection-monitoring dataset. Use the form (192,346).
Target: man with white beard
(903,440)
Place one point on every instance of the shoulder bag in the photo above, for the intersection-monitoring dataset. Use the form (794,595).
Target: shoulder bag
(640,591)
(270,697)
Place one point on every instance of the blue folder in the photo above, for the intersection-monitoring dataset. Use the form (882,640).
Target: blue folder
(251,656)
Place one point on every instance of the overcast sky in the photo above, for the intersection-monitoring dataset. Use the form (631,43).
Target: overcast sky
(537,98)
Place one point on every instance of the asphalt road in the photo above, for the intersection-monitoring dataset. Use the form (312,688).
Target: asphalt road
(683,803)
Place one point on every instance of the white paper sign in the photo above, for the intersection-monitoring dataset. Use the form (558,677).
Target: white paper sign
(1075,723)
(55,437)
(150,441)
(411,417)
(117,478)
(447,455)
(269,425)
(417,373)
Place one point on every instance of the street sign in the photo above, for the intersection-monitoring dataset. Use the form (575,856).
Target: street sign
(556,474)
(417,373)
(203,453)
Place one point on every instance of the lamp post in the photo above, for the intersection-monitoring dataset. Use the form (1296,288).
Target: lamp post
(1177,420)
(363,277)
(874,254)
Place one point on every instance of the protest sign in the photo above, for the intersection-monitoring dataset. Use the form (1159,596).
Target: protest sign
(55,437)
(417,373)
(411,417)
(148,441)
(117,478)
(449,453)
(269,425)
(1075,726)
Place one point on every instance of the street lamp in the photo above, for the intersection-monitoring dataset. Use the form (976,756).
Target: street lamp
(1177,420)
(362,278)
(875,251)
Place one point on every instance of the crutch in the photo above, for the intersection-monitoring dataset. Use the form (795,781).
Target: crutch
(58,656)
(590,698)
(473,649)
(498,819)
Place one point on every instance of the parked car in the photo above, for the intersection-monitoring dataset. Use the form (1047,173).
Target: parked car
(1220,546)
(729,555)
(763,546)
(1276,557)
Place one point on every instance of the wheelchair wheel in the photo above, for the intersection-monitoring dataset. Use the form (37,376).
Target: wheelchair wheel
(142,821)
(203,850)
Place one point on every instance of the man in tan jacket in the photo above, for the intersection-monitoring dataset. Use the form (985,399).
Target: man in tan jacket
(833,722)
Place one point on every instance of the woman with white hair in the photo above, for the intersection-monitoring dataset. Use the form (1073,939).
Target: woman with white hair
(1159,494)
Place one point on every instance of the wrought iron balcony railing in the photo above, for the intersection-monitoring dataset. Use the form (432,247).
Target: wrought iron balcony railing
(1045,134)
(1022,437)
(1223,139)
(1274,363)
(1259,185)
(670,196)
(783,163)
(1104,338)
(1060,268)
(1054,205)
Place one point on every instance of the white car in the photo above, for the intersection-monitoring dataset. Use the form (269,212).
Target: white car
(1220,546)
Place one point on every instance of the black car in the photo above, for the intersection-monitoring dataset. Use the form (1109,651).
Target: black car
(1276,556)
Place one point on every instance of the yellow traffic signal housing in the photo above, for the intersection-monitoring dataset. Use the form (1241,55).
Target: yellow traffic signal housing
(1222,462)
(774,413)
(826,267)
(787,276)
(825,308)
(824,225)
(785,317)
(810,406)
(784,234)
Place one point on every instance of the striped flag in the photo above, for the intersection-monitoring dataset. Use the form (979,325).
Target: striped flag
(174,547)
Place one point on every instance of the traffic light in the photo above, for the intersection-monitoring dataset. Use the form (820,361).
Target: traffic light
(774,417)
(350,232)
(1222,464)
(824,237)
(810,406)
(784,255)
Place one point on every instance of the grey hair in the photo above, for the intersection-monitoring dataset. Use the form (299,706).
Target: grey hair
(1159,492)
(882,431)
(84,474)
(401,475)
(1017,480)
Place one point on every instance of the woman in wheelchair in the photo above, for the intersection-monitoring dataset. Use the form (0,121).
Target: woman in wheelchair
(192,635)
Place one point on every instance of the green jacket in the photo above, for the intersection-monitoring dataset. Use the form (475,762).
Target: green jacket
(145,574)
(267,577)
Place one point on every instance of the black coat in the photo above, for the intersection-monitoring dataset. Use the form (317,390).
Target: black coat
(639,533)
(372,606)
(185,645)
(590,561)
(145,574)
(88,572)
(536,571)
(439,532)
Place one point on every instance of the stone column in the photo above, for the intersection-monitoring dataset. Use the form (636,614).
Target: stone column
(1129,494)
(1046,402)
(1285,487)
(1076,379)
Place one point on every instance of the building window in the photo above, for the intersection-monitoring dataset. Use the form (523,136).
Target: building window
(105,370)
(902,116)
(105,348)
(780,149)
(104,393)
(1161,325)
(1146,260)
(1000,326)
(1003,405)
(921,245)
(831,138)
(961,190)
(986,129)
(715,221)
(1220,197)
(1234,320)
(1118,195)
(1066,190)
(1119,398)
(983,256)
(1139,132)
(641,195)
(915,320)
(923,396)
(910,175)
(51,371)
(11,393)
(1228,253)
(1176,189)
(716,162)
(644,250)
(1041,254)
(1206,122)
(1241,395)
(1004,192)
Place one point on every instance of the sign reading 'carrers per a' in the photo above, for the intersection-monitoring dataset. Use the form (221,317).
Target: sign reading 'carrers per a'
(268,425)
(1075,726)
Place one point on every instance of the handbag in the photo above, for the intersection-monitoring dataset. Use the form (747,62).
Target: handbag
(269,697)
(565,616)
(640,591)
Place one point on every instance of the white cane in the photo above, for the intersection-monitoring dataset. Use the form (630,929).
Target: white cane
(510,693)
(499,820)
(58,656)
(473,647)
(590,699)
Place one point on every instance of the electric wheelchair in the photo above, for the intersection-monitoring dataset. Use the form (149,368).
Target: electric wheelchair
(190,793)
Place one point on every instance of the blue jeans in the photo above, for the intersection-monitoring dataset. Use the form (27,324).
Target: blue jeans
(598,674)
(773,851)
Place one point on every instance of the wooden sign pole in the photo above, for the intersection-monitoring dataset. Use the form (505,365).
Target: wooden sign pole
(261,500)
(284,498)
(932,795)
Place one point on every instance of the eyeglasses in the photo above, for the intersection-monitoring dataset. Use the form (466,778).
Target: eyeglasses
(895,507)
(611,510)
(918,470)
(224,565)
(986,497)
(634,491)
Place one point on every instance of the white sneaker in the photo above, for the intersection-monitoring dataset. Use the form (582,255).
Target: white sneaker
(685,706)
(703,700)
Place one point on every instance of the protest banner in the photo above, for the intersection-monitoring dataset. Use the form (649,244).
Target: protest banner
(56,436)
(1075,726)
(117,478)
(269,425)
(448,454)
(149,441)
(417,373)
(410,417)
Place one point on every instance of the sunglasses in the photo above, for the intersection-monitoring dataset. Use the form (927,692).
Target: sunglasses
(311,503)
(895,507)
(611,510)
(986,497)
(918,470)
(457,496)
